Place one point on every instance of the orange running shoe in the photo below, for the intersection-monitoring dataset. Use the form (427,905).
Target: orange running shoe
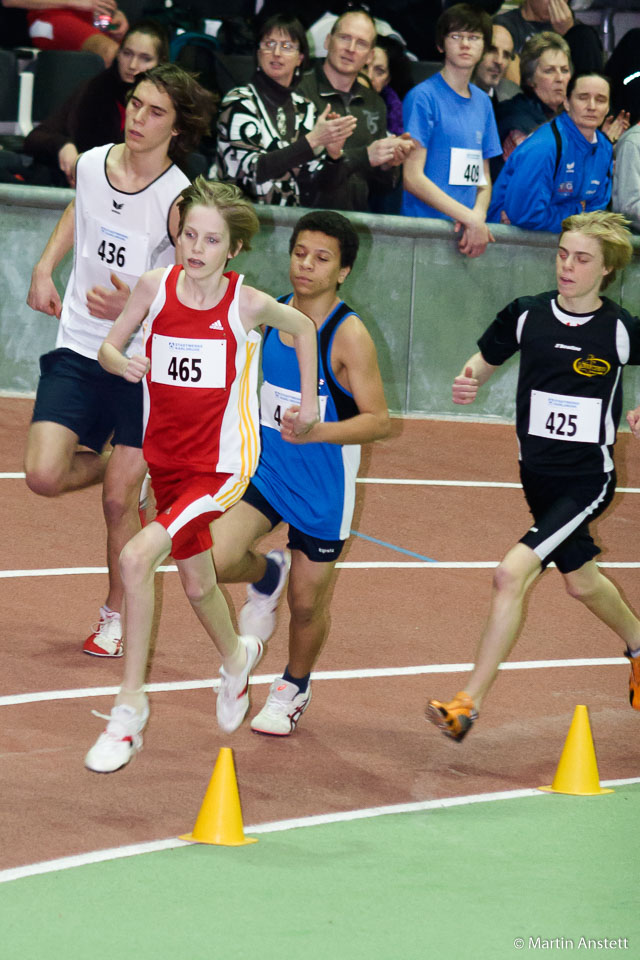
(455,718)
(634,680)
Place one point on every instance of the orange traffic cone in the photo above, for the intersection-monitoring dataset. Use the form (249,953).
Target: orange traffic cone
(577,772)
(220,817)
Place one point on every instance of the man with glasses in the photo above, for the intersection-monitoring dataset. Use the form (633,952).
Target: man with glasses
(452,124)
(370,154)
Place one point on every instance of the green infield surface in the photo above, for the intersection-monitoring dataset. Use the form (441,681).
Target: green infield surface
(522,874)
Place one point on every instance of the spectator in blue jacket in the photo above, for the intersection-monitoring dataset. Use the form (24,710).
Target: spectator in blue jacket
(564,167)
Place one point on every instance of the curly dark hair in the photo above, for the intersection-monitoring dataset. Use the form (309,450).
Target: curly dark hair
(334,225)
(193,104)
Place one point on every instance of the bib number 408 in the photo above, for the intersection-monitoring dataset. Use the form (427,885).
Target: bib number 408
(562,424)
(472,173)
(109,253)
(187,370)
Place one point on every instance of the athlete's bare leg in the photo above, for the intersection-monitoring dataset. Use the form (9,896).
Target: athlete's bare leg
(601,596)
(139,561)
(120,497)
(511,582)
(234,536)
(198,576)
(308,593)
(54,464)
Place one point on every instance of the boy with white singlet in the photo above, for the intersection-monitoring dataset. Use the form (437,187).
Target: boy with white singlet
(201,438)
(574,345)
(121,223)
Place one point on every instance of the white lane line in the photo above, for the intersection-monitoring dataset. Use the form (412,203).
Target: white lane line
(407,483)
(137,849)
(346,565)
(461,483)
(371,673)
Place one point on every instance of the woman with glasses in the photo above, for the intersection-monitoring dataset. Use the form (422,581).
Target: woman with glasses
(271,141)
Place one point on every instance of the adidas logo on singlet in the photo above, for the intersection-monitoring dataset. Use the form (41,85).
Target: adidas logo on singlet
(216,325)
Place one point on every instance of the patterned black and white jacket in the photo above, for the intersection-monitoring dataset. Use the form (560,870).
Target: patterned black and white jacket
(262,147)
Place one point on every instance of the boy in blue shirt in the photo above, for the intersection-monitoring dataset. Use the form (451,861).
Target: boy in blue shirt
(452,124)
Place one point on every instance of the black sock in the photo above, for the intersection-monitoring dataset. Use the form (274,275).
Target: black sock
(271,577)
(301,682)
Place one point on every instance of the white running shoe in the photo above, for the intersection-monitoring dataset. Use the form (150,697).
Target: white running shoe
(284,707)
(120,741)
(258,615)
(233,694)
(106,639)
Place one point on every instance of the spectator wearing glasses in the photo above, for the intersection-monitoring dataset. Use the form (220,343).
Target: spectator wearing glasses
(370,153)
(451,121)
(272,142)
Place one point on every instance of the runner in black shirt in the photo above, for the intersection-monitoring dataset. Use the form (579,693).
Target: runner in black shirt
(573,345)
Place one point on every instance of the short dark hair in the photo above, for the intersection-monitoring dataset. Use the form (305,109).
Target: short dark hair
(590,73)
(292,26)
(155,30)
(334,225)
(464,16)
(193,104)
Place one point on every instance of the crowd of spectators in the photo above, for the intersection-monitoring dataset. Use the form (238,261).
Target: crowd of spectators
(516,122)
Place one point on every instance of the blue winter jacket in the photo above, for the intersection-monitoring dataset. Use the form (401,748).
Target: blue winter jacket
(541,184)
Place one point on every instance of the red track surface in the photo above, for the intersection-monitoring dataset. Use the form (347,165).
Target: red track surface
(363,742)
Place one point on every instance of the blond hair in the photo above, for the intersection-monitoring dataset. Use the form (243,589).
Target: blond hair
(231,204)
(610,230)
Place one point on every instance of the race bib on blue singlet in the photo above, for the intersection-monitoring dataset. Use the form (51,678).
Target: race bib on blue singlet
(275,400)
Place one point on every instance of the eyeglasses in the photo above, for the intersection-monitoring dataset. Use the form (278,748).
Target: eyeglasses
(287,46)
(470,37)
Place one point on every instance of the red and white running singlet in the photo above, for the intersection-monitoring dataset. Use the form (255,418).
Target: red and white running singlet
(200,395)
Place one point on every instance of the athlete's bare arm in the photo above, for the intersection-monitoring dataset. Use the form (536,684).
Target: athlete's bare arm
(472,219)
(258,309)
(110,355)
(355,365)
(474,373)
(43,295)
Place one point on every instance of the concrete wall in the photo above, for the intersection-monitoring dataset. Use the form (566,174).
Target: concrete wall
(424,304)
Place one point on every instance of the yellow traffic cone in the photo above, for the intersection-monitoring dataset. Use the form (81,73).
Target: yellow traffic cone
(577,772)
(220,817)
